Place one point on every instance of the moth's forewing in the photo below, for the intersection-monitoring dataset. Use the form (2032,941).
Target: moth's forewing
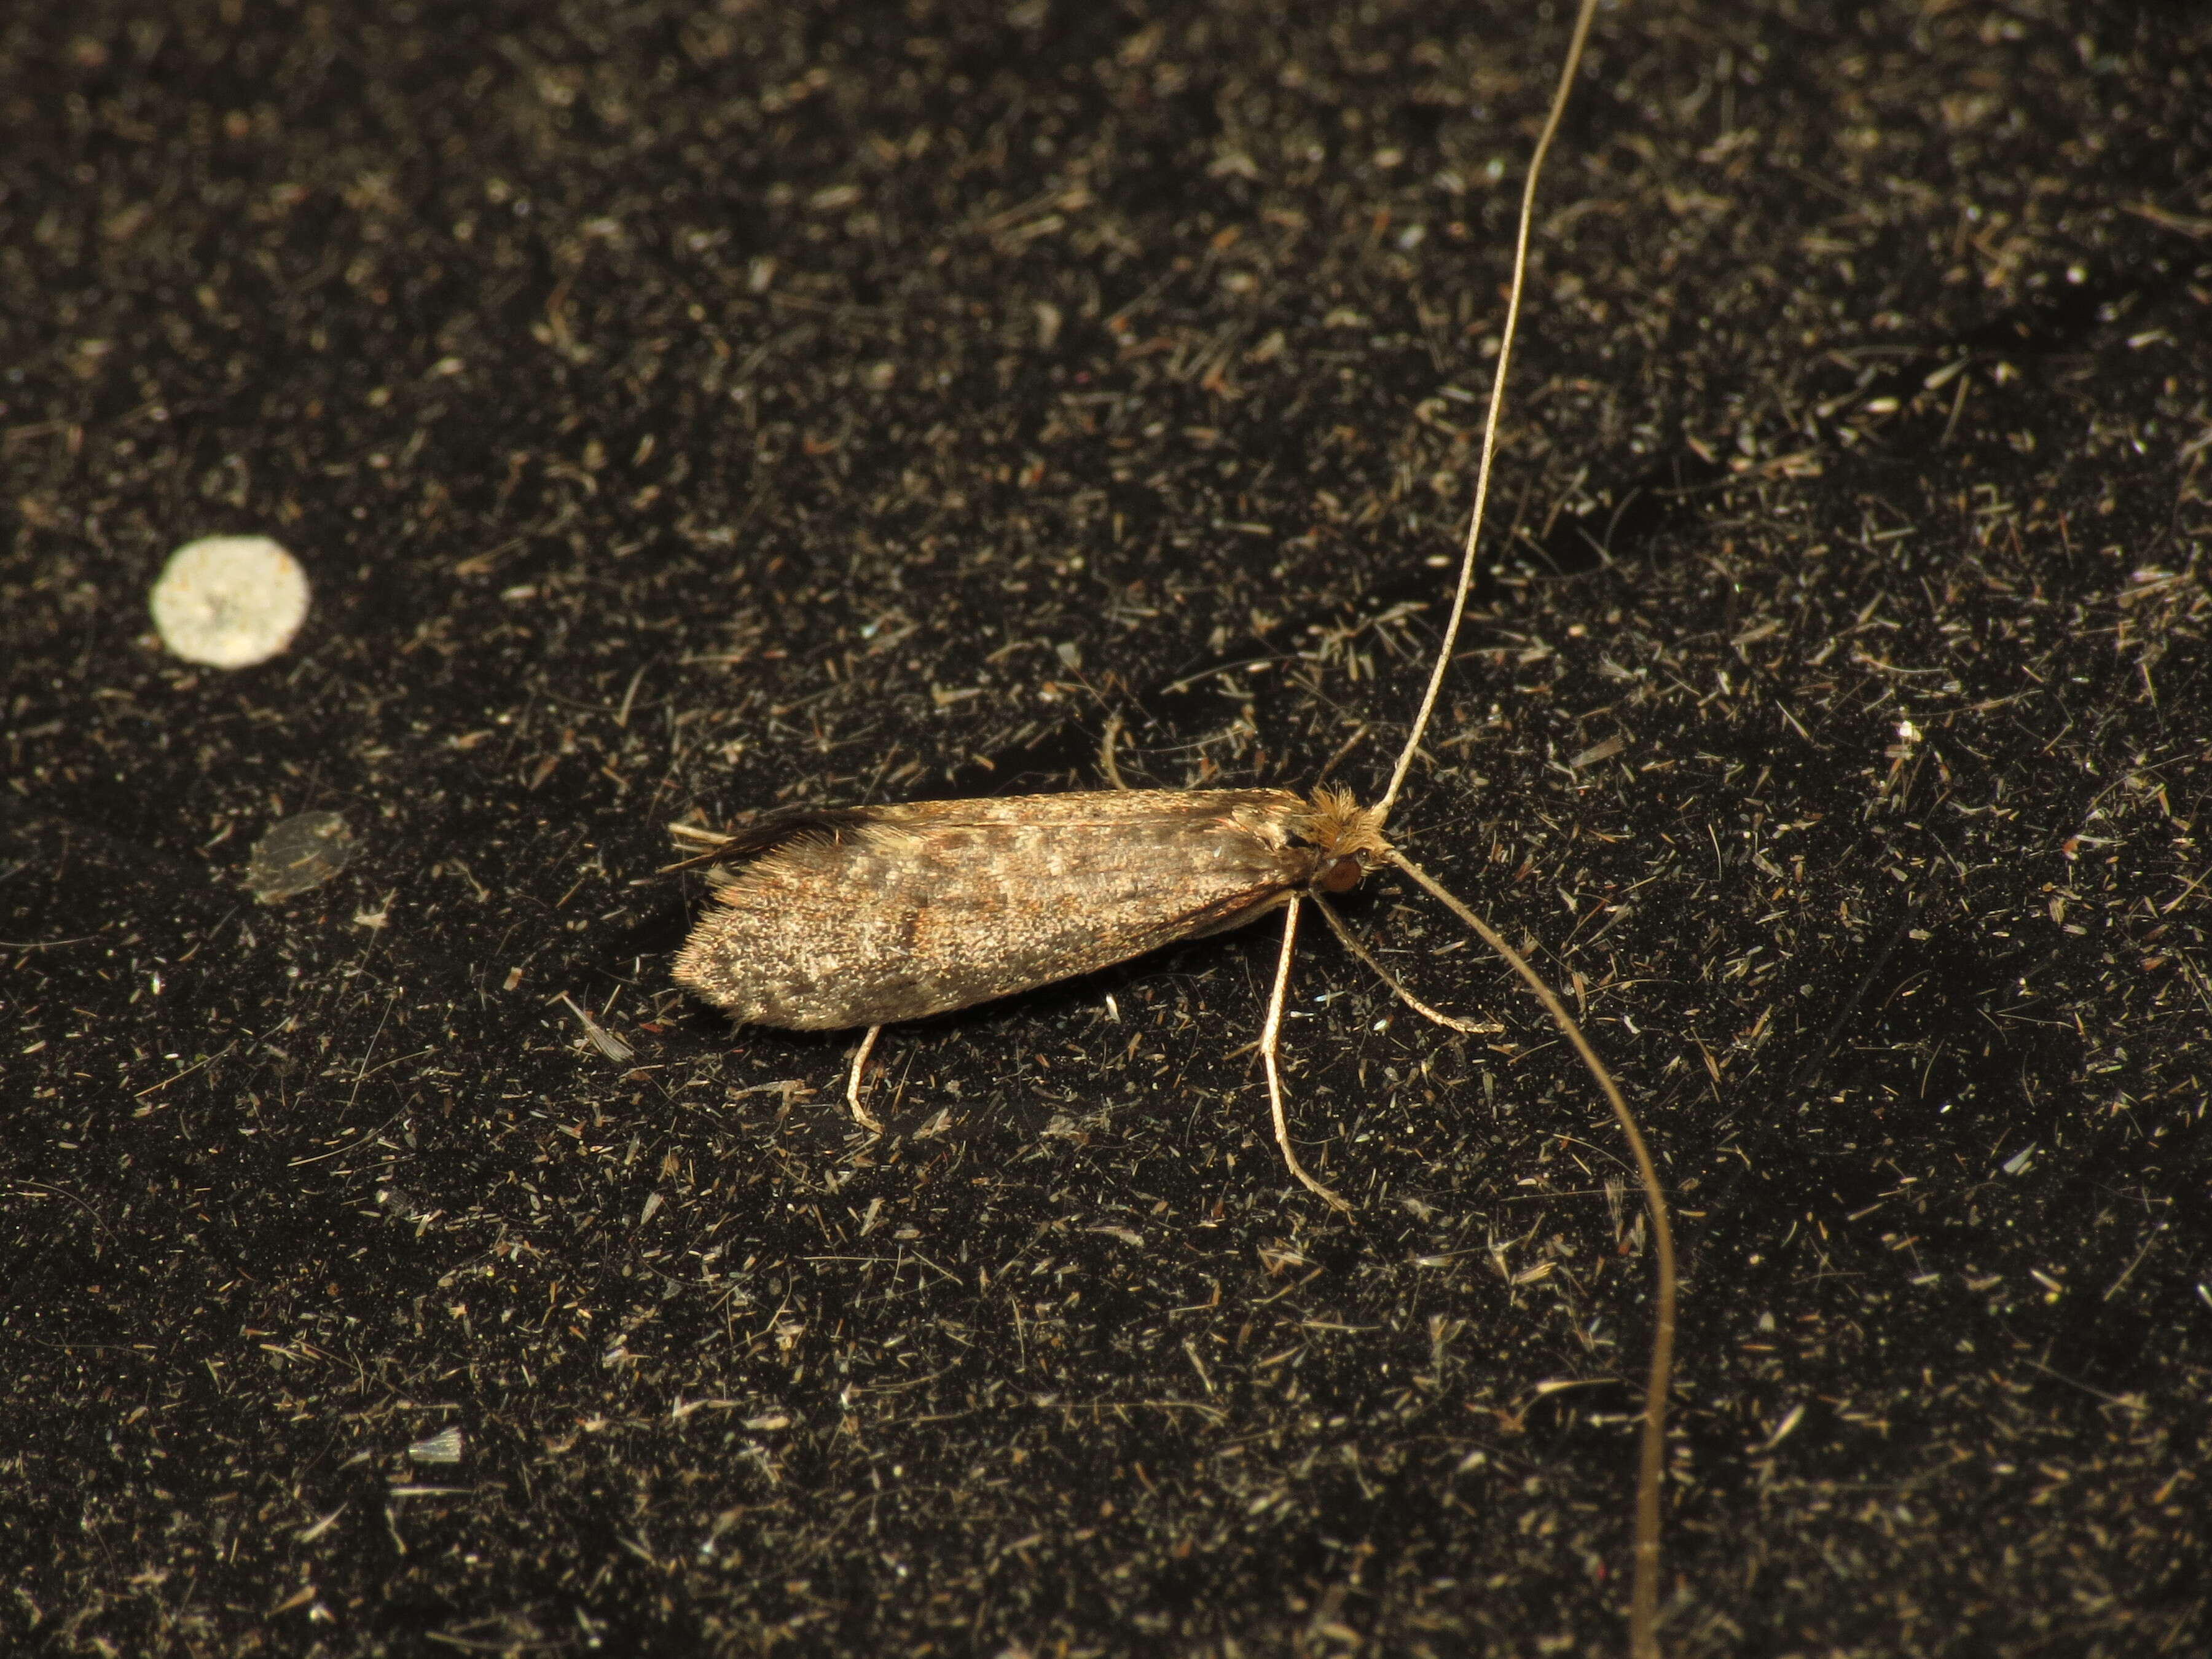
(864,916)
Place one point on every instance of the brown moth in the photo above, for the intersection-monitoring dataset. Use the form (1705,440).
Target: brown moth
(864,916)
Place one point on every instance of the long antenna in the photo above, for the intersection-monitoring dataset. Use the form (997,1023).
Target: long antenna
(1651,1466)
(1489,421)
(1643,1600)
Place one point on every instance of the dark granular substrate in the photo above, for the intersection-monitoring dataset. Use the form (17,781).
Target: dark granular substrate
(701,410)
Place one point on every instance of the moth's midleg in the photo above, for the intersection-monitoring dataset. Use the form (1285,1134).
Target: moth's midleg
(866,1119)
(1451,1022)
(1270,1034)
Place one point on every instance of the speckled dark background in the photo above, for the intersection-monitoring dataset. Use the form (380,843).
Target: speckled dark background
(686,411)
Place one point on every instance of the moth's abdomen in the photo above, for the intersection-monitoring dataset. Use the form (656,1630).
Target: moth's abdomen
(920,910)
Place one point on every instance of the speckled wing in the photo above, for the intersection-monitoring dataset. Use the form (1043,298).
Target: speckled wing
(863,917)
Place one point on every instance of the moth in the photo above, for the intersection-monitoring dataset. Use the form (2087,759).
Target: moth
(860,917)
(864,916)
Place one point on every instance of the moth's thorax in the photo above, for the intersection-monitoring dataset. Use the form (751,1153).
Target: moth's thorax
(1348,837)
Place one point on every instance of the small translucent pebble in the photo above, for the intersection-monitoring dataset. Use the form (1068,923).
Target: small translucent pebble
(302,852)
(230,601)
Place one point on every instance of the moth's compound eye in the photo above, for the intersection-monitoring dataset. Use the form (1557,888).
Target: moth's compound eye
(1339,876)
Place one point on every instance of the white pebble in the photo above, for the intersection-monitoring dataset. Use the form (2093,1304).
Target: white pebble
(230,601)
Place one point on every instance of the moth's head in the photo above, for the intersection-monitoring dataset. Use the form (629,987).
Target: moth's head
(1350,838)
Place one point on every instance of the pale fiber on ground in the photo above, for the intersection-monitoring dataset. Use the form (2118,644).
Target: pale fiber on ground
(230,601)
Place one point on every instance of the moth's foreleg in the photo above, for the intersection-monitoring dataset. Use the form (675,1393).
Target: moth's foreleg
(1269,1035)
(1451,1022)
(862,1115)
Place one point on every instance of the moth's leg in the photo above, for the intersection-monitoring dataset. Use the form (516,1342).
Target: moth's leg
(1106,762)
(1342,749)
(1451,1022)
(1268,1035)
(862,1115)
